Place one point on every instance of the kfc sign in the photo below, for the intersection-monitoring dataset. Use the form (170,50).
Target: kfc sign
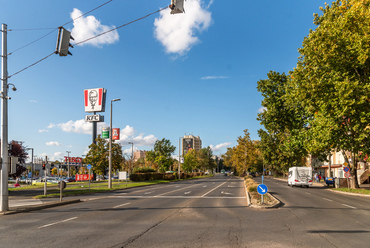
(94,100)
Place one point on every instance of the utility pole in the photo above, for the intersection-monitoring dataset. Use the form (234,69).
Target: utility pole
(4,204)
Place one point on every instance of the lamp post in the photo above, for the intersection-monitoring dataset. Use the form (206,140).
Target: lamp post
(132,154)
(110,144)
(68,162)
(31,164)
(179,171)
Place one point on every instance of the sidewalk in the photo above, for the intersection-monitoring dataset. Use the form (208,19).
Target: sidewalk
(23,201)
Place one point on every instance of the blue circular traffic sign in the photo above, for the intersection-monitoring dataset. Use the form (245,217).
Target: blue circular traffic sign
(89,166)
(346,169)
(262,189)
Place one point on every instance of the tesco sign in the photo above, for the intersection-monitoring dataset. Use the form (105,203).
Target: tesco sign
(73,160)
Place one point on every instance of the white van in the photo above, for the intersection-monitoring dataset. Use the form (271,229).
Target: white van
(300,176)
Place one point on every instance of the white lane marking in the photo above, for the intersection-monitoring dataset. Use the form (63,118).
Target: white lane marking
(180,197)
(204,186)
(174,191)
(308,193)
(122,205)
(147,193)
(327,199)
(58,222)
(348,206)
(213,189)
(226,193)
(187,192)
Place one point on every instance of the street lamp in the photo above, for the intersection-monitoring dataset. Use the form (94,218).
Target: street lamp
(68,162)
(179,157)
(132,154)
(110,145)
(31,164)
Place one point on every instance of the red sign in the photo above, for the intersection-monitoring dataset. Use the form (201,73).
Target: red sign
(73,159)
(347,175)
(115,135)
(84,177)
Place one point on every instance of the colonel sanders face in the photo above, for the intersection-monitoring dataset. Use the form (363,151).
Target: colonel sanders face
(93,97)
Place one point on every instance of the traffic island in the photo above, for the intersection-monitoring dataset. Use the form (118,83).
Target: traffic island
(254,198)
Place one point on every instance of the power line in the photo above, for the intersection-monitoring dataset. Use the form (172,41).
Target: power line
(78,43)
(53,28)
(32,64)
(141,18)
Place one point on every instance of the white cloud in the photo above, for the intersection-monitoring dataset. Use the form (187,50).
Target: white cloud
(79,126)
(52,143)
(262,109)
(43,130)
(213,77)
(177,33)
(88,26)
(128,135)
(220,146)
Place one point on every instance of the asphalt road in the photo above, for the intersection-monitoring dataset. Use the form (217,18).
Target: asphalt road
(208,212)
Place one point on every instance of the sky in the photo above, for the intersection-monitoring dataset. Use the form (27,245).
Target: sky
(191,73)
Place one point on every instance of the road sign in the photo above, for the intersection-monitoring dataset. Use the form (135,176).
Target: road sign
(262,189)
(347,175)
(105,133)
(29,174)
(346,169)
(89,166)
(345,163)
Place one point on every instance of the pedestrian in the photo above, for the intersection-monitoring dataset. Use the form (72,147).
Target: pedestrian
(319,177)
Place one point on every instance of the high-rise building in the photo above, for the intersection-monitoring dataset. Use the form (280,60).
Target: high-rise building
(190,142)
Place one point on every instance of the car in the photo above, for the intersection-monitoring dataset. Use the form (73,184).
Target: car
(70,179)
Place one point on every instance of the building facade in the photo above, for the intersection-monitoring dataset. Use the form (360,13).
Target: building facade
(190,142)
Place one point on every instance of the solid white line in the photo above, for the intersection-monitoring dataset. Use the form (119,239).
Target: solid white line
(181,197)
(122,205)
(348,206)
(58,222)
(213,189)
(327,199)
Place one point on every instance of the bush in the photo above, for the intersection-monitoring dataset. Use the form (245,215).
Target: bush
(144,170)
(252,188)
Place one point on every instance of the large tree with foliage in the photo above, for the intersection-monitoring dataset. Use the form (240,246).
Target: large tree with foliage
(98,156)
(332,78)
(20,152)
(282,141)
(161,154)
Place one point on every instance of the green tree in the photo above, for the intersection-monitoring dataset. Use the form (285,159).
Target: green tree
(191,161)
(284,119)
(331,79)
(161,154)
(98,156)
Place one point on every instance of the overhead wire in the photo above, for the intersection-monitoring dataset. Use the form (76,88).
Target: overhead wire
(81,42)
(53,28)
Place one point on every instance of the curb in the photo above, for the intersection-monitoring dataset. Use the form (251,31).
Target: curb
(249,203)
(39,207)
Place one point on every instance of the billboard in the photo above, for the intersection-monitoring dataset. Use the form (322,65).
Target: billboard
(187,145)
(94,100)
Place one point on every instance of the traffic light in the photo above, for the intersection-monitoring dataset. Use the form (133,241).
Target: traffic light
(64,36)
(177,6)
(44,166)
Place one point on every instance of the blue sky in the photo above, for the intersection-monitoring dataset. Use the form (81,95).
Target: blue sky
(193,73)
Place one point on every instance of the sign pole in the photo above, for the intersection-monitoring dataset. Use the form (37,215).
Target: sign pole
(89,177)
